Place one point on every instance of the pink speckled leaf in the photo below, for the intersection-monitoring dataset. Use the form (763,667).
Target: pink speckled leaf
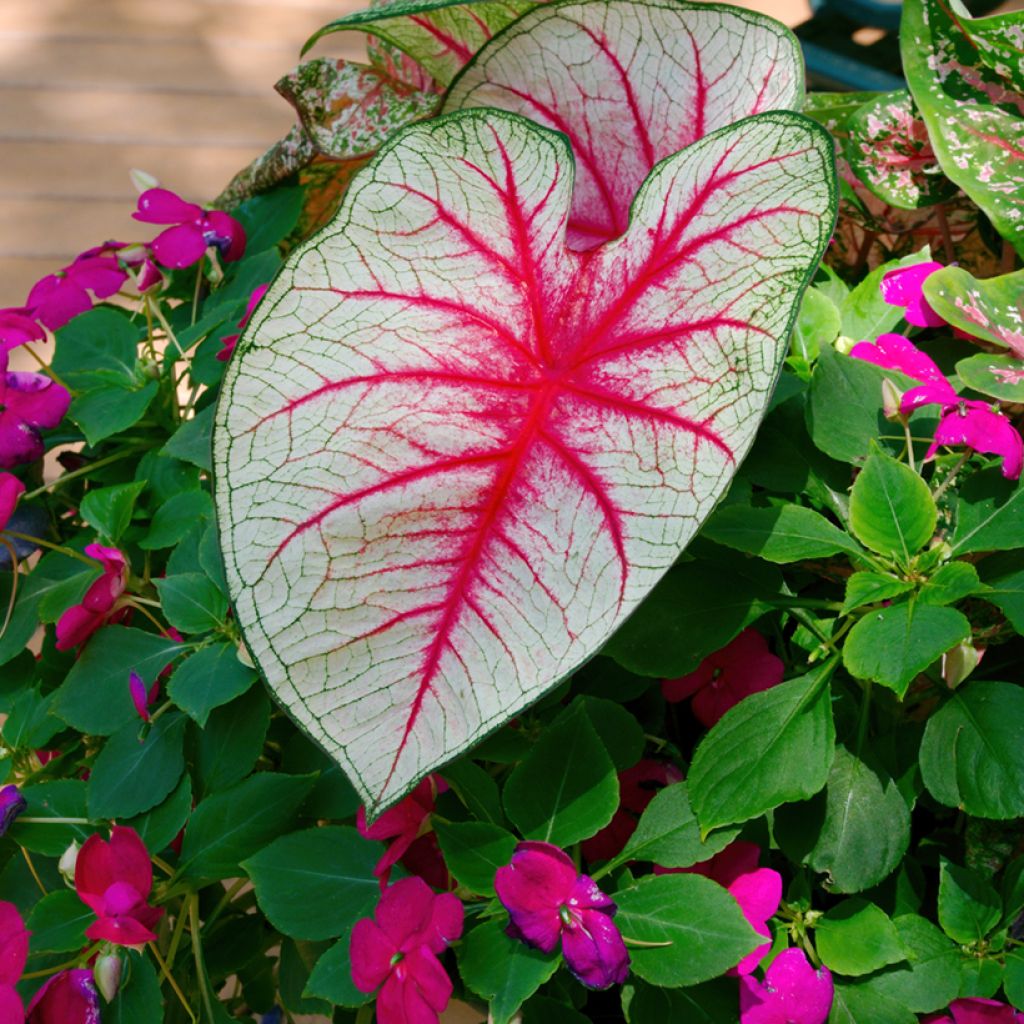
(992,309)
(453,454)
(630,83)
(439,35)
(888,148)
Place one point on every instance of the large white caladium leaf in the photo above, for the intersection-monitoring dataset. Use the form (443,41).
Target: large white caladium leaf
(631,82)
(453,454)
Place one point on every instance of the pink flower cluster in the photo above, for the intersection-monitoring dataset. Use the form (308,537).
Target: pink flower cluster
(977,425)
(100,604)
(397,950)
(69,997)
(976,1011)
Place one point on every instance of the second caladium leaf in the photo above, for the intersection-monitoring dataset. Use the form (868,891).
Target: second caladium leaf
(631,82)
(453,454)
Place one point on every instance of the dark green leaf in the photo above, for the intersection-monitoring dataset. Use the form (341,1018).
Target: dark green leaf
(871,588)
(58,922)
(891,509)
(232,741)
(62,798)
(101,339)
(859,1004)
(714,1002)
(473,851)
(191,442)
(785,533)
(317,883)
(502,970)
(232,825)
(856,937)
(158,827)
(565,789)
(176,517)
(972,754)
(104,411)
(209,678)
(771,748)
(131,775)
(892,645)
(989,514)
(192,602)
(621,734)
(476,789)
(969,908)
(109,509)
(29,724)
(331,978)
(856,832)
(706,931)
(95,698)
(668,833)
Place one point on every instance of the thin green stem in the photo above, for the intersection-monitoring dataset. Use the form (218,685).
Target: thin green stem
(197,953)
(39,542)
(910,445)
(33,872)
(167,329)
(960,463)
(165,973)
(15,576)
(199,285)
(228,896)
(179,931)
(67,965)
(77,473)
(23,820)
(865,717)
(46,368)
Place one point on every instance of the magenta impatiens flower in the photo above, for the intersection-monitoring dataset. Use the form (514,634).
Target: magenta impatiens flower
(29,402)
(17,327)
(549,901)
(397,951)
(903,287)
(58,297)
(229,341)
(793,992)
(974,424)
(413,842)
(757,890)
(194,229)
(12,803)
(114,880)
(67,998)
(100,603)
(13,954)
(637,788)
(141,697)
(976,1011)
(744,666)
(11,489)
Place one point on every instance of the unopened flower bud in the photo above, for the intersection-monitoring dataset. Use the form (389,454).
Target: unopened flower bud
(107,975)
(143,180)
(12,803)
(67,862)
(150,278)
(843,345)
(958,663)
(891,399)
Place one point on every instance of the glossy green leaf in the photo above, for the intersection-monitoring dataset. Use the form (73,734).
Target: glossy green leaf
(969,908)
(61,798)
(891,509)
(132,774)
(782,533)
(858,1004)
(565,789)
(872,588)
(209,678)
(989,514)
(230,743)
(950,583)
(865,313)
(331,977)
(999,377)
(989,309)
(856,937)
(972,754)
(192,441)
(818,323)
(502,970)
(58,922)
(317,883)
(192,602)
(230,826)
(158,826)
(892,645)
(176,517)
(714,1002)
(773,747)
(102,412)
(473,852)
(702,925)
(109,509)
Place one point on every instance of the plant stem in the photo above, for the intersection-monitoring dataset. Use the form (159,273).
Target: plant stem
(165,973)
(910,445)
(162,320)
(33,872)
(77,473)
(947,238)
(55,821)
(15,575)
(39,542)
(197,953)
(228,896)
(46,368)
(941,489)
(865,717)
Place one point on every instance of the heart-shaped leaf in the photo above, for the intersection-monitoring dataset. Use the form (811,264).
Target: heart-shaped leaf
(991,309)
(629,84)
(452,454)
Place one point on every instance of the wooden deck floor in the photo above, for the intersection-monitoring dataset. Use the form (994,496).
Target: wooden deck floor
(183,89)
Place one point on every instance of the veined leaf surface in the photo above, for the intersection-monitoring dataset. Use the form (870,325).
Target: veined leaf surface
(452,454)
(992,309)
(630,83)
(440,35)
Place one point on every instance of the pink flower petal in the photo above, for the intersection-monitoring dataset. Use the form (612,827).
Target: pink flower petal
(180,246)
(400,1001)
(18,328)
(35,399)
(223,231)
(123,931)
(895,352)
(982,1011)
(102,275)
(13,945)
(162,206)
(67,998)
(903,287)
(792,992)
(430,978)
(56,300)
(977,426)
(139,695)
(532,888)
(928,394)
(370,953)
(11,488)
(594,951)
(12,1009)
(76,625)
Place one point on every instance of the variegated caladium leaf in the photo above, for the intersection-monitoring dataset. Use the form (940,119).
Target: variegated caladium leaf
(975,117)
(888,149)
(440,35)
(990,309)
(349,110)
(453,454)
(631,82)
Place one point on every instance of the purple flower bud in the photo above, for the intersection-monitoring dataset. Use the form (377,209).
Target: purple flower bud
(12,803)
